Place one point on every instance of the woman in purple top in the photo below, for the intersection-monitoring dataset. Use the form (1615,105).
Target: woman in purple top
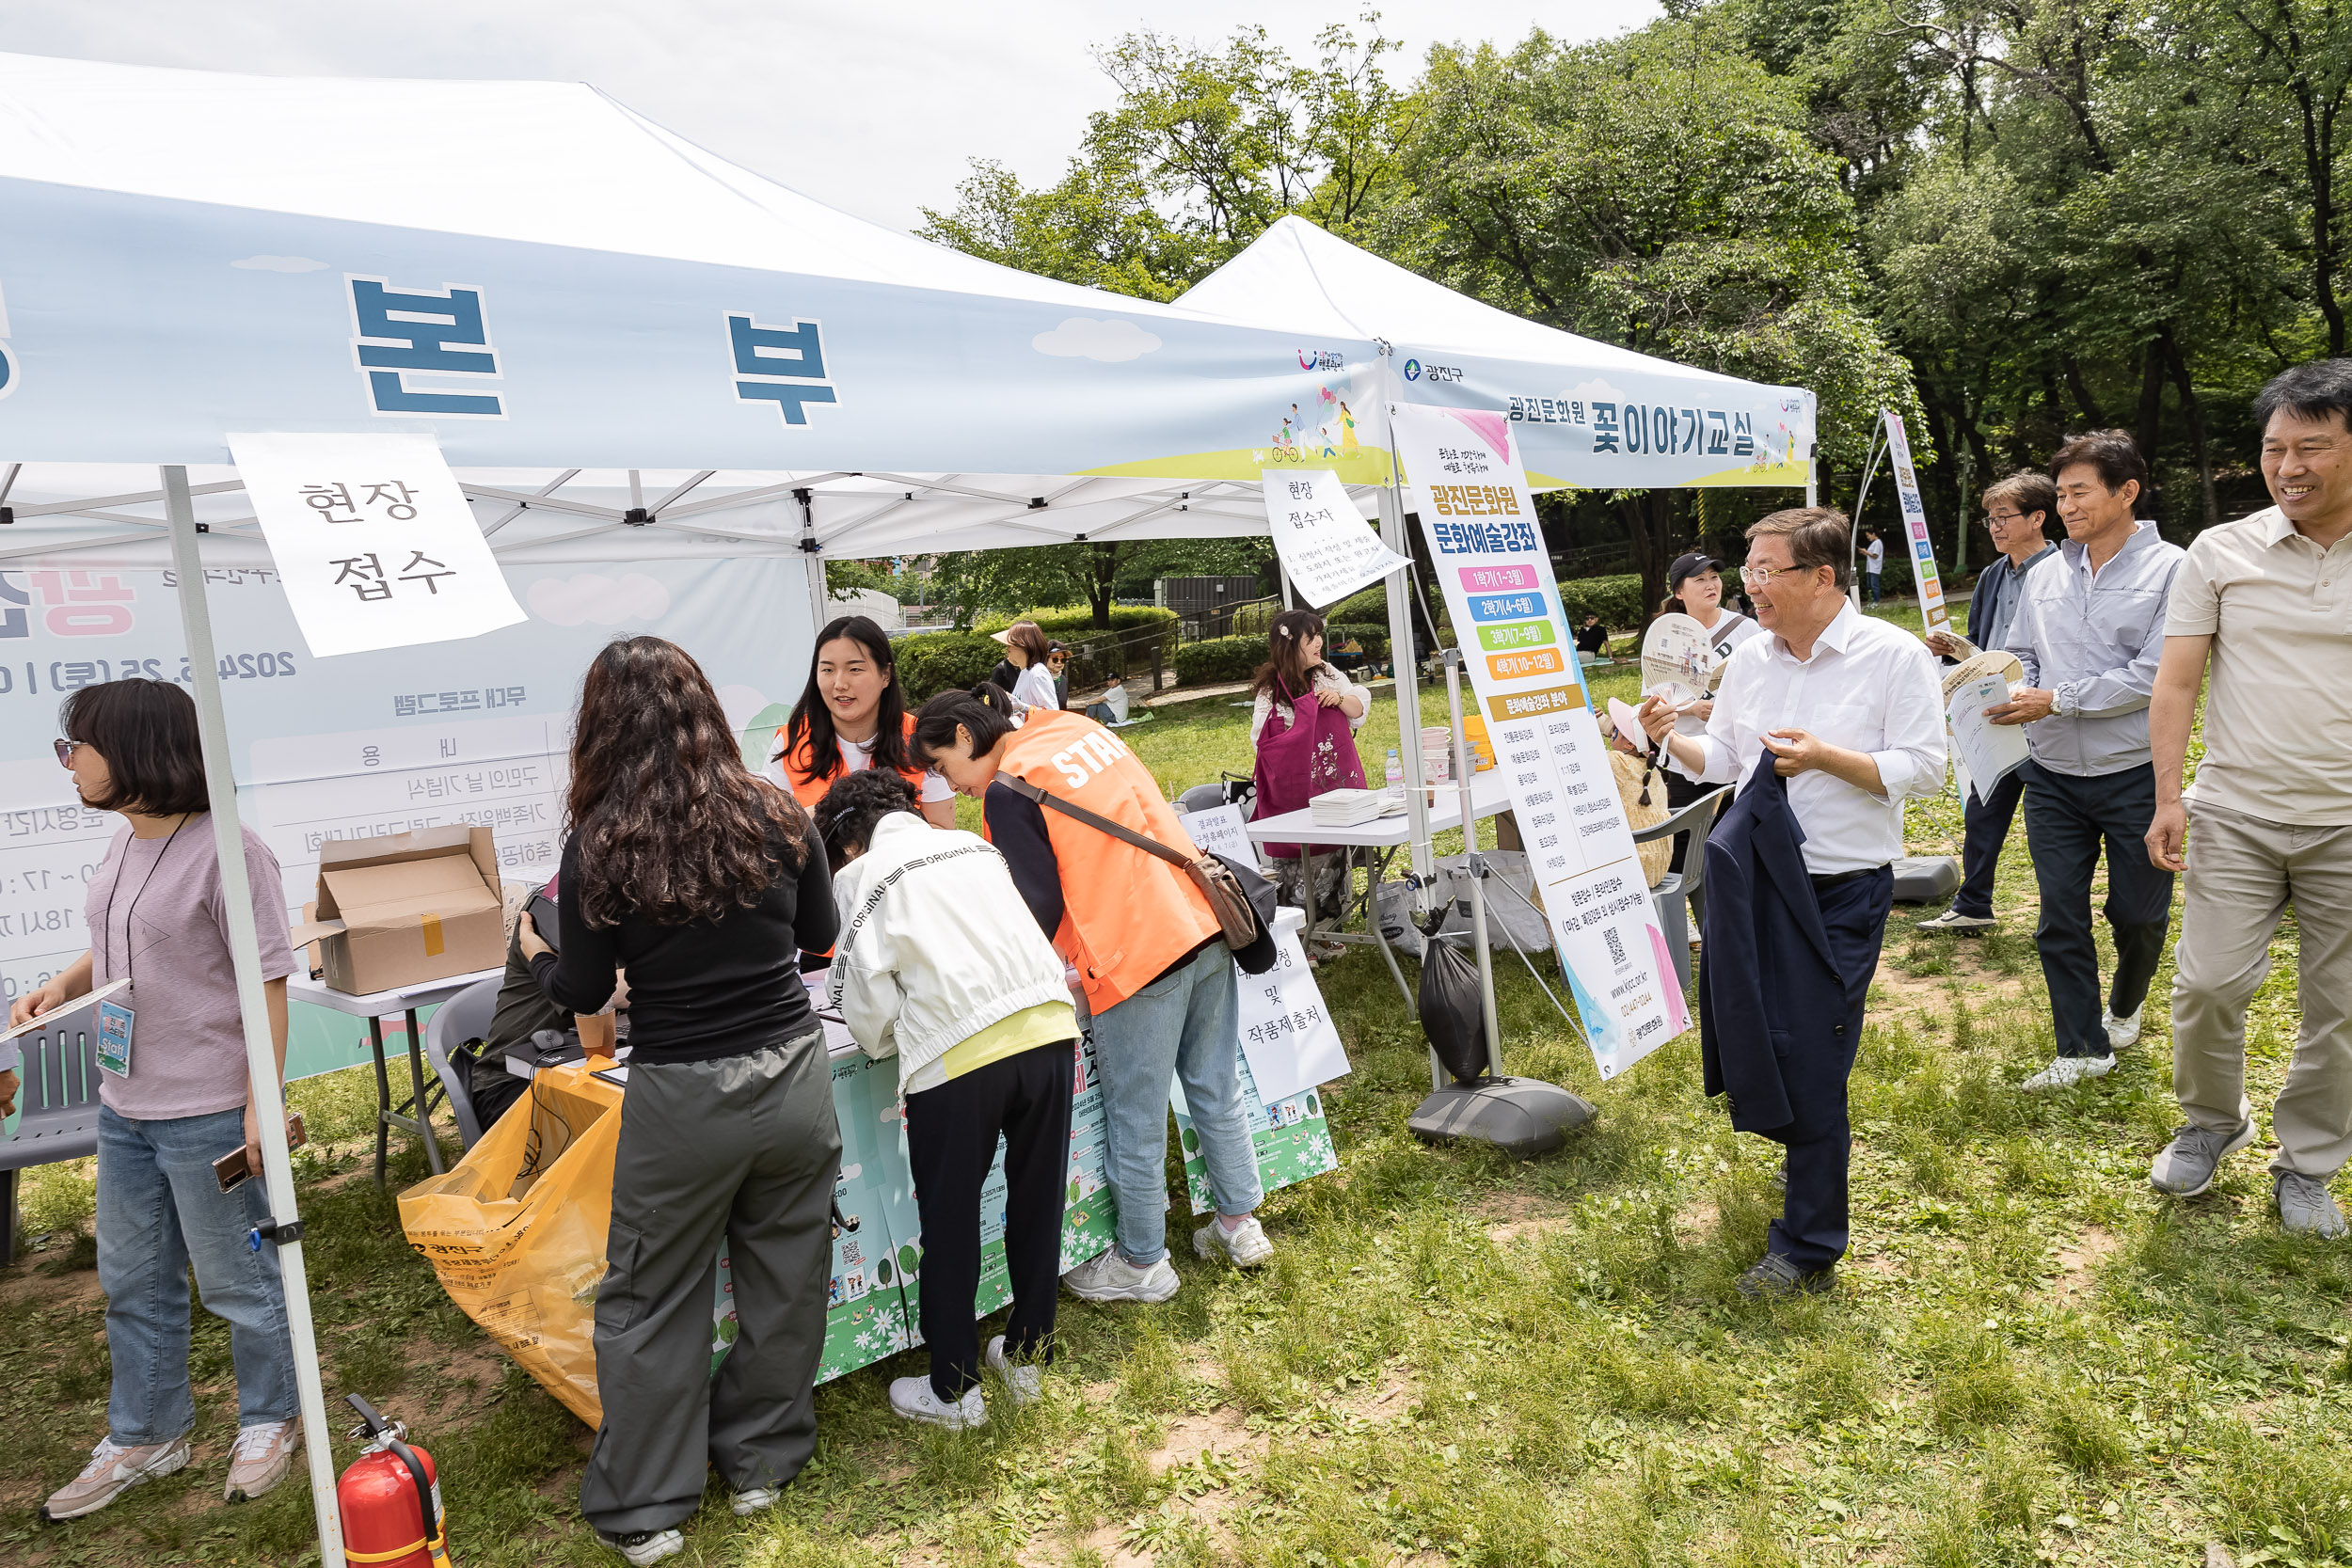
(177,1100)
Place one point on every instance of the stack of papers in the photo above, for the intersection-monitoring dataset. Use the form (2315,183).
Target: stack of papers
(1346,808)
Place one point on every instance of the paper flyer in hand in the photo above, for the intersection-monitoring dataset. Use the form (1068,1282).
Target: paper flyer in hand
(1677,661)
(1479,519)
(1987,751)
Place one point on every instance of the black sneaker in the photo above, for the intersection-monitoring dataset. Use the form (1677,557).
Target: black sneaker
(1776,1276)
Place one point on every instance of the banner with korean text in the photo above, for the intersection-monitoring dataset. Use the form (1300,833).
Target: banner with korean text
(362,743)
(1479,519)
(1915,524)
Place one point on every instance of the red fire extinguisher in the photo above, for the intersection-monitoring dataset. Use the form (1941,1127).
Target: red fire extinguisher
(390,1499)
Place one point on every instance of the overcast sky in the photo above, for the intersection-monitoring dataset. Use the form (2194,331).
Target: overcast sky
(874,108)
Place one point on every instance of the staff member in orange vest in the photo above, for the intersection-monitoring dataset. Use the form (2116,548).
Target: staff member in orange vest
(1158,977)
(852,715)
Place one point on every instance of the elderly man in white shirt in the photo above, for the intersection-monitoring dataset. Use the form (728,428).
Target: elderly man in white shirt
(1849,712)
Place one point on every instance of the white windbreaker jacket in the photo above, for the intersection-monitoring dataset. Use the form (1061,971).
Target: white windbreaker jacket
(936,943)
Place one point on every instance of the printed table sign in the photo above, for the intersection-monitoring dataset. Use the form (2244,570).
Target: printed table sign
(1490,562)
(1326,546)
(373,540)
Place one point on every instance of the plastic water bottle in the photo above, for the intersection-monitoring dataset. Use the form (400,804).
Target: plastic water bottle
(1396,770)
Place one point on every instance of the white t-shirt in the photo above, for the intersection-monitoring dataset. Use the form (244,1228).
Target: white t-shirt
(1036,688)
(856,757)
(1875,553)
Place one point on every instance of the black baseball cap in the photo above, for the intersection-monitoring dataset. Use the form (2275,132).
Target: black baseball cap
(1695,563)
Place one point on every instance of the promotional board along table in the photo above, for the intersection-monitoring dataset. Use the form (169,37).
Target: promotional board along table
(1387,835)
(415,1115)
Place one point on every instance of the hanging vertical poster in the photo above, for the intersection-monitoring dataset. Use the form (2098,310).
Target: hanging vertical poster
(1932,608)
(1479,519)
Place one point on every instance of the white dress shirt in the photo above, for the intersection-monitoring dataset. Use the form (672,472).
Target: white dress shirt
(1867,687)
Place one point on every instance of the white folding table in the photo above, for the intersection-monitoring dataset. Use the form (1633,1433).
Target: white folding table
(1386,835)
(415,1115)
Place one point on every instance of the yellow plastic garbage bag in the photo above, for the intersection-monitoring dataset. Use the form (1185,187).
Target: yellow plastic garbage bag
(516,1231)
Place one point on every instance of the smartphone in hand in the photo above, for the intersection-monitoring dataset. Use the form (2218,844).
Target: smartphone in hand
(230,1168)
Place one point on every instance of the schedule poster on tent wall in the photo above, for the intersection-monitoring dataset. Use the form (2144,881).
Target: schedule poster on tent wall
(1488,554)
(360,744)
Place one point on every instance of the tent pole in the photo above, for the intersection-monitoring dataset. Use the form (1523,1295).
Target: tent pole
(1400,595)
(815,563)
(244,956)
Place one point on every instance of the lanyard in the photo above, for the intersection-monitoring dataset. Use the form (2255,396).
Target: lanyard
(131,914)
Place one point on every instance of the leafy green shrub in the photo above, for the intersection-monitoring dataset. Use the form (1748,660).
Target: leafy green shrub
(1370,605)
(930,662)
(1130,626)
(1220,659)
(1617,600)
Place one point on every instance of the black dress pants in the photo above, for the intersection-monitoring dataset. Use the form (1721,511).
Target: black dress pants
(2067,820)
(1986,819)
(1811,1232)
(951,1141)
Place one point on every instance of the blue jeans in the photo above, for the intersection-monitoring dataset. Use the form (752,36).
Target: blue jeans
(1870,587)
(161,1209)
(1181,1026)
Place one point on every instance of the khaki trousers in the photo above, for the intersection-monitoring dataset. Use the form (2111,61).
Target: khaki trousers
(2243,872)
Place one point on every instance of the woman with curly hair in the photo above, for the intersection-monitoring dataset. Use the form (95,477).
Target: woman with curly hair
(704,881)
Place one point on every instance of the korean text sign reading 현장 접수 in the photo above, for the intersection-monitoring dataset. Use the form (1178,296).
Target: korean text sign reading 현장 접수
(373,540)
(1479,519)
(1325,544)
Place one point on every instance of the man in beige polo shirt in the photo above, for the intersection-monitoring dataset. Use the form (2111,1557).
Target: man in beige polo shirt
(2268,820)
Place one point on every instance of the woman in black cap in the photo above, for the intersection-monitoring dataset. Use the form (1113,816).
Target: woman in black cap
(1695,585)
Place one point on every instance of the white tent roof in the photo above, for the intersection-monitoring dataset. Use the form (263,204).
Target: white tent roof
(1666,424)
(559,291)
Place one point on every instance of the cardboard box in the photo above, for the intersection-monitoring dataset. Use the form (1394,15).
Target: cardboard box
(407,907)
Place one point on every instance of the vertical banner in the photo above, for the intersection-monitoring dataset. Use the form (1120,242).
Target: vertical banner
(1479,519)
(1915,525)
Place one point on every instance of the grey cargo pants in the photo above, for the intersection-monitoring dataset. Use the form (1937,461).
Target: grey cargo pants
(745,1150)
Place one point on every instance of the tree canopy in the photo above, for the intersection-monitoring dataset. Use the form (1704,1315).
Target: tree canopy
(2008,219)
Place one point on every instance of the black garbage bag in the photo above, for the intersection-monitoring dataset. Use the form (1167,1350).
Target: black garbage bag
(1451,1013)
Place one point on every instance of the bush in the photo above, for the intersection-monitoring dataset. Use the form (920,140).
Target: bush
(1373,638)
(930,662)
(1371,605)
(1220,659)
(1617,600)
(1130,626)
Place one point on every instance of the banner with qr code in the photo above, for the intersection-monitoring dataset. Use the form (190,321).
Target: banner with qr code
(1492,566)
(363,744)
(373,540)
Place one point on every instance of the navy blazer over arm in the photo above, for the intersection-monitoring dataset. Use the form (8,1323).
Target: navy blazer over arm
(1769,994)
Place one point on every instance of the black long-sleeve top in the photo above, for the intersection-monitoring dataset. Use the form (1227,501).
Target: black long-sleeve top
(706,988)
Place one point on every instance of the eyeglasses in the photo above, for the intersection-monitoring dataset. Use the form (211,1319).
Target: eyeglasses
(2004,519)
(65,749)
(1756,576)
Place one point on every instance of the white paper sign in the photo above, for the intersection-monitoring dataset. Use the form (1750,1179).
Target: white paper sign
(1987,751)
(1326,546)
(373,540)
(1219,830)
(1285,1029)
(1490,562)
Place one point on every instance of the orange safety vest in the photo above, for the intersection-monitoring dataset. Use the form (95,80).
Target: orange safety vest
(1127,915)
(808,788)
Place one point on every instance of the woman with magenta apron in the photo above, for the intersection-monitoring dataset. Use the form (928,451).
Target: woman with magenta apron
(1303,722)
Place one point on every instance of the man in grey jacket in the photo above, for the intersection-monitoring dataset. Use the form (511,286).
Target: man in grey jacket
(2090,633)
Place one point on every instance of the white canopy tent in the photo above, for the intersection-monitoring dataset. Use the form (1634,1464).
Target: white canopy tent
(1584,415)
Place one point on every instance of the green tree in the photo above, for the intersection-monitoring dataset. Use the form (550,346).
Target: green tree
(969,583)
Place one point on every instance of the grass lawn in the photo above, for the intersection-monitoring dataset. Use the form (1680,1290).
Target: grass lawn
(2030,1358)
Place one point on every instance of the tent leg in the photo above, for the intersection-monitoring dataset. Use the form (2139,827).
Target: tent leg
(1407,707)
(246,957)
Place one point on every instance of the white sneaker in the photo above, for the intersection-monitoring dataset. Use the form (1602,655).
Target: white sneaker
(1111,1278)
(1952,920)
(1246,1244)
(645,1546)
(262,1455)
(113,1469)
(1026,1379)
(752,1499)
(914,1398)
(2123,1031)
(2068,1070)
